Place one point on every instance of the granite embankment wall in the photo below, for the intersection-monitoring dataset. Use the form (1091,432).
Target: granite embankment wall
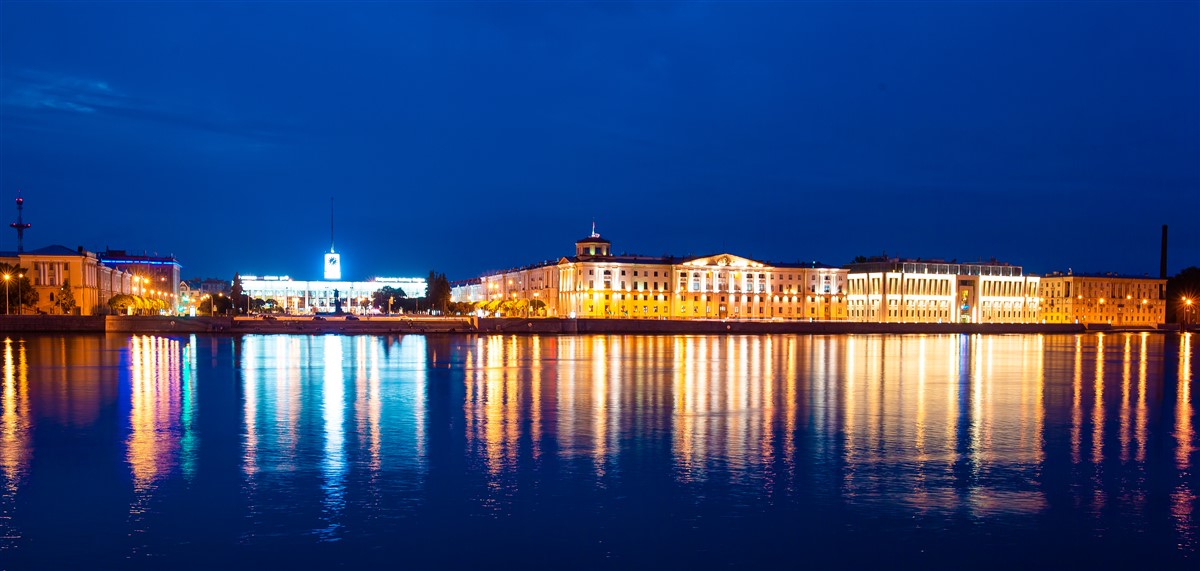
(644,326)
(383,326)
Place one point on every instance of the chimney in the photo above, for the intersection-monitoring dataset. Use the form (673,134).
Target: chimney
(1162,260)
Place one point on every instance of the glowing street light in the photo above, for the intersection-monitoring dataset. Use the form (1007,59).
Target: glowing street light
(6,308)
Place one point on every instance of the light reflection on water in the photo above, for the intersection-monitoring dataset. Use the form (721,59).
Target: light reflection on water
(397,442)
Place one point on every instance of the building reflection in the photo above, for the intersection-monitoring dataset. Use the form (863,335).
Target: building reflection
(357,404)
(1183,497)
(156,424)
(15,433)
(956,424)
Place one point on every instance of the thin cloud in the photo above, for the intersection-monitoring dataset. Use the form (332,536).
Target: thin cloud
(33,92)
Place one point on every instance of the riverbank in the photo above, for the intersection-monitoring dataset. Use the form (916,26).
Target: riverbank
(541,326)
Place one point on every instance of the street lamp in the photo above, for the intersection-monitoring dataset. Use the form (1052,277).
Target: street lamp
(6,308)
(20,300)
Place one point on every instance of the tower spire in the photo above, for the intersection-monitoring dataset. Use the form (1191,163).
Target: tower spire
(20,224)
(331,225)
(594,234)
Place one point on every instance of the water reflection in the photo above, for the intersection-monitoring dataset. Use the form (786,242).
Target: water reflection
(15,449)
(349,411)
(324,441)
(1183,498)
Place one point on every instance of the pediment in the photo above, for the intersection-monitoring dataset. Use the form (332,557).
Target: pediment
(724,260)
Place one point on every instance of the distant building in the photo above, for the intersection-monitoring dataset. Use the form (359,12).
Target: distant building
(1107,298)
(153,276)
(596,283)
(915,291)
(306,297)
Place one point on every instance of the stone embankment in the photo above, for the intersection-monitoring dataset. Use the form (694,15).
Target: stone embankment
(544,326)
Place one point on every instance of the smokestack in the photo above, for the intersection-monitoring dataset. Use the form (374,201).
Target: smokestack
(1162,260)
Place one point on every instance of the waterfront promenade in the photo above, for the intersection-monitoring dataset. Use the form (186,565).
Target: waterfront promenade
(543,326)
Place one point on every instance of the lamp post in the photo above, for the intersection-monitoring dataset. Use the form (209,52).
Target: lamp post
(7,311)
(20,300)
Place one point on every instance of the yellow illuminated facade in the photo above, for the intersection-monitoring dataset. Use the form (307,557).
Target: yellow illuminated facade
(595,283)
(92,282)
(908,291)
(1110,299)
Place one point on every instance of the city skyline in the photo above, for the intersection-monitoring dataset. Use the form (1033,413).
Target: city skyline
(468,138)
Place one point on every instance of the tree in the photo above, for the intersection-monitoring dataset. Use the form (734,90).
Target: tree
(66,298)
(20,292)
(121,302)
(537,306)
(1185,284)
(387,298)
(241,302)
(437,291)
(223,304)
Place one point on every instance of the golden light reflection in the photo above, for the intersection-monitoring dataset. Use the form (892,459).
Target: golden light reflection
(1183,498)
(154,408)
(1184,434)
(1126,427)
(933,437)
(1143,413)
(1098,403)
(1077,403)
(15,427)
(153,445)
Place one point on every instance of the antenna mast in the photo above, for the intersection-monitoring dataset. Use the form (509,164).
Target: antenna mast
(20,225)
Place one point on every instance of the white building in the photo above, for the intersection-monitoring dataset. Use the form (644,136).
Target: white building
(909,291)
(307,297)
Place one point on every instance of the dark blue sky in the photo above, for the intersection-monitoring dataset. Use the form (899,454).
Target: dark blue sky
(466,137)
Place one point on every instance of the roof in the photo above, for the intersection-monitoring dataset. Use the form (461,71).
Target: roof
(1106,275)
(593,239)
(54,250)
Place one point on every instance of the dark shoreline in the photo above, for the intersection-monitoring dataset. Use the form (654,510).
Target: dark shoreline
(541,326)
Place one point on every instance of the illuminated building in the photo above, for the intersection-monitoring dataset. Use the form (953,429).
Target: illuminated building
(915,291)
(92,283)
(1111,299)
(323,296)
(596,283)
(159,274)
(302,297)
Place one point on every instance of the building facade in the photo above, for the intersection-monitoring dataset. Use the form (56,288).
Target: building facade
(914,291)
(153,276)
(91,282)
(594,283)
(1112,299)
(309,297)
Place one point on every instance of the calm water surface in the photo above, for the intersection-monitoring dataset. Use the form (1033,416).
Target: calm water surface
(599,452)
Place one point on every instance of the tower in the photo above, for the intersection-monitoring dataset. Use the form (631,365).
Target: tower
(20,225)
(333,260)
(593,246)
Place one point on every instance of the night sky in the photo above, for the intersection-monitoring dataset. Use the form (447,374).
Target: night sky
(467,137)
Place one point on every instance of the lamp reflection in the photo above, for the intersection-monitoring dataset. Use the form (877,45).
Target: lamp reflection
(1183,498)
(333,464)
(15,427)
(153,445)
